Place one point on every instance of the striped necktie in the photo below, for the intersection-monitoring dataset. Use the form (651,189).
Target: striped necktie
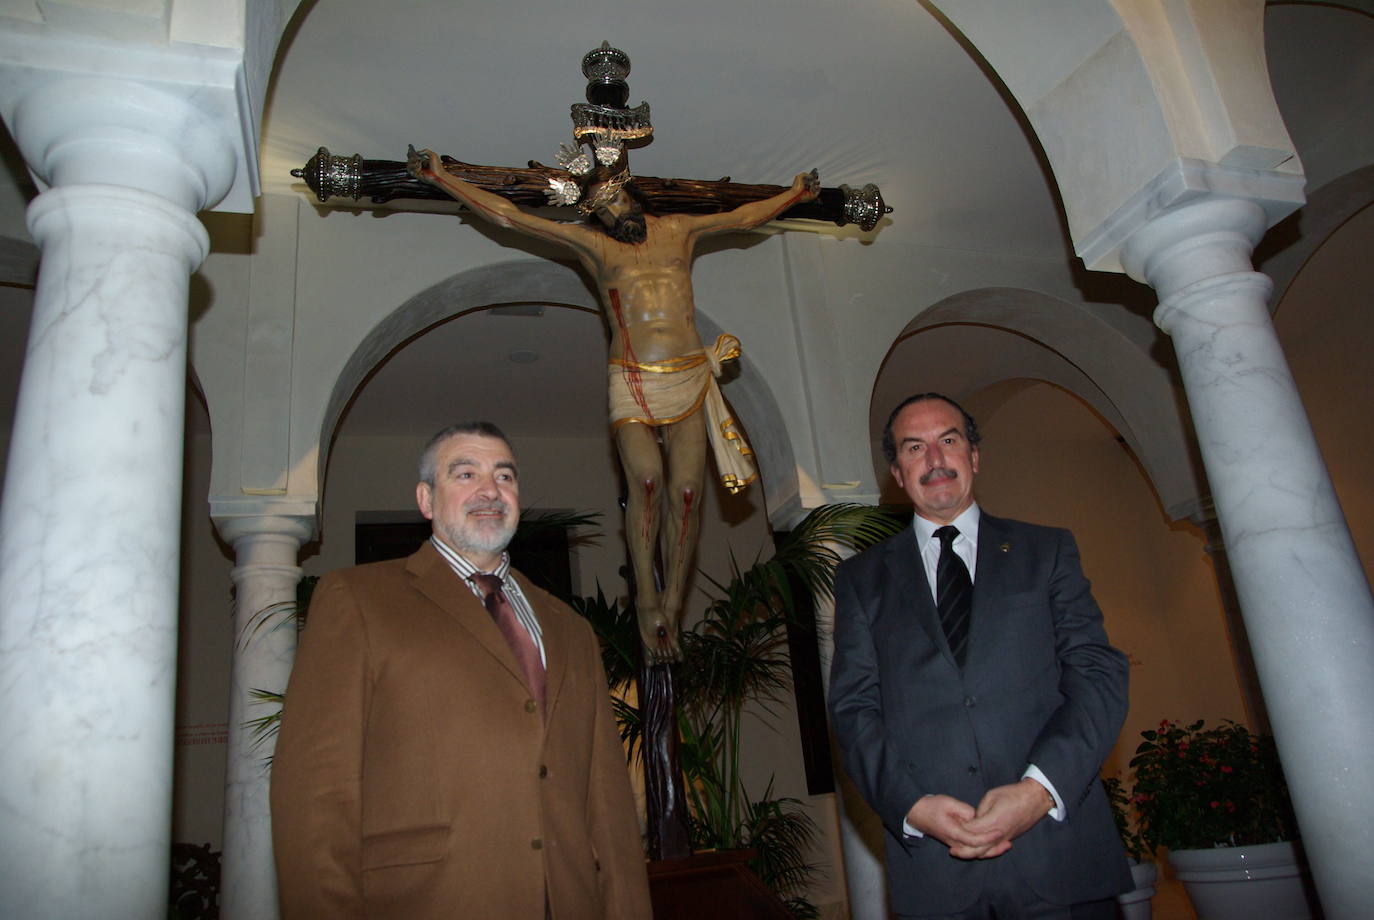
(953,593)
(517,636)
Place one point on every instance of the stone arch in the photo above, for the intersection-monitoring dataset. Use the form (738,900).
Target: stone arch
(1121,84)
(545,282)
(1292,242)
(1122,383)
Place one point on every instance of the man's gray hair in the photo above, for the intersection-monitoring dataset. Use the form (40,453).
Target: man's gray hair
(429,457)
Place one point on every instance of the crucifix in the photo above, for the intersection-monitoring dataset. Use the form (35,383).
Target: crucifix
(635,237)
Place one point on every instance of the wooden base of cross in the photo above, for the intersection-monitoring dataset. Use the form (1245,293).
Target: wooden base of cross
(668,832)
(353,177)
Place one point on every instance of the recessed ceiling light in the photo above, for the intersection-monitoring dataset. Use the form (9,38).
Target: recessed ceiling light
(523,356)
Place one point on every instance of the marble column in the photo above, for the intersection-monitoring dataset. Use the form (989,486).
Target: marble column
(265,582)
(1252,696)
(1303,593)
(861,830)
(90,519)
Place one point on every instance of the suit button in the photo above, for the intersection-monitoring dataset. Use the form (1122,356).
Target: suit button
(972,768)
(970,700)
(536,844)
(531,705)
(543,771)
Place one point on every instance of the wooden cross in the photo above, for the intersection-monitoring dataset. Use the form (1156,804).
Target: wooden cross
(380,181)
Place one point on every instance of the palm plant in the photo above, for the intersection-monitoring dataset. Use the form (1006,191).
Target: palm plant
(283,614)
(737,655)
(618,631)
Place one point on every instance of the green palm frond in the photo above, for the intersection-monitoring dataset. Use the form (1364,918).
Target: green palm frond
(812,549)
(631,723)
(535,522)
(264,728)
(781,832)
(735,655)
(618,631)
(269,618)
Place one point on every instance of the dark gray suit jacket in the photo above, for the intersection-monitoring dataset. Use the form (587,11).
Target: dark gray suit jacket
(1040,685)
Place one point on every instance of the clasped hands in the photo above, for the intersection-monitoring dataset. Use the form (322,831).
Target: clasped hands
(1004,814)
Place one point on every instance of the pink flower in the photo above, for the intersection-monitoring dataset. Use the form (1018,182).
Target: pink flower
(1216,804)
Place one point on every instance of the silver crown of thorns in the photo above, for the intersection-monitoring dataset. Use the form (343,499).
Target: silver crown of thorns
(605,125)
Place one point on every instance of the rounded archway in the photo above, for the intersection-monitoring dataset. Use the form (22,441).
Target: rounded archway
(572,384)
(976,338)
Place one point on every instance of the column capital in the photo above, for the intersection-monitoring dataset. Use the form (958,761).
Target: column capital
(1113,245)
(1205,238)
(170,118)
(119,216)
(241,529)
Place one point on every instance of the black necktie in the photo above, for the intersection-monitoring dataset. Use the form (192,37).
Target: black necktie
(953,593)
(517,636)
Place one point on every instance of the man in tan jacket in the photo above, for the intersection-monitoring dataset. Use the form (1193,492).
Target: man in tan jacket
(447,747)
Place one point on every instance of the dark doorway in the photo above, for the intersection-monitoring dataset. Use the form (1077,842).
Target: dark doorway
(540,553)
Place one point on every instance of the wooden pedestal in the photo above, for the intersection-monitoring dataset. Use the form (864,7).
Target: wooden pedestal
(716,885)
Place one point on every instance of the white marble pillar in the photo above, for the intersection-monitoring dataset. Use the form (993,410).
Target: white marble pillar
(861,830)
(1251,694)
(90,519)
(1306,602)
(264,647)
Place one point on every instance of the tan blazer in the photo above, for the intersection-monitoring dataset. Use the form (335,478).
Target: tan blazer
(414,778)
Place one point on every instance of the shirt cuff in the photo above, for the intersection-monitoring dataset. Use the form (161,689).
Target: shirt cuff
(907,829)
(1033,772)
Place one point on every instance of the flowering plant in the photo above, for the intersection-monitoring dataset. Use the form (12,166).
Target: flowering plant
(1128,829)
(1198,788)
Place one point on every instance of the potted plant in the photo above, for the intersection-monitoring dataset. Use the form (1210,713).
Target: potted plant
(735,655)
(1216,799)
(1135,904)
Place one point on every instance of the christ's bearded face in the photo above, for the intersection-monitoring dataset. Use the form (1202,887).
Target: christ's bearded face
(623,219)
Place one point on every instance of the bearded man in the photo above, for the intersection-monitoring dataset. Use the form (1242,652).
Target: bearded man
(447,747)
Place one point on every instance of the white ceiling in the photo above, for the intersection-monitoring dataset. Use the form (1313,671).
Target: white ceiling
(758,91)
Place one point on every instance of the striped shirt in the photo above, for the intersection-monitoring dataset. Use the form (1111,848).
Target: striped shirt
(523,612)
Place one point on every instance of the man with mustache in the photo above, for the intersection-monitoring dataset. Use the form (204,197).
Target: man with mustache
(447,747)
(974,695)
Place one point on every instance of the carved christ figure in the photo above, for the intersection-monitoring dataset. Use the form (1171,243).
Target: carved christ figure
(665,404)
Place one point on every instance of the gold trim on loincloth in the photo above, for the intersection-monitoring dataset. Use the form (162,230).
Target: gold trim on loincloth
(674,389)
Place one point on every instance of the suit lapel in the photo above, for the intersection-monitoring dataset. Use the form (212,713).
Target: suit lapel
(989,582)
(912,594)
(435,579)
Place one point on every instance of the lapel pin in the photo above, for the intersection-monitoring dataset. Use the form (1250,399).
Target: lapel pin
(1005,547)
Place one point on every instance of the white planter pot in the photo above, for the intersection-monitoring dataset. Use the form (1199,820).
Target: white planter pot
(1269,880)
(1135,904)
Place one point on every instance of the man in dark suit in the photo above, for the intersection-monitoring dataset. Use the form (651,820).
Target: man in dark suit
(975,696)
(447,747)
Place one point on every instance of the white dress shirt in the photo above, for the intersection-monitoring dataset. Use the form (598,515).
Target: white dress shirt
(966,547)
(523,611)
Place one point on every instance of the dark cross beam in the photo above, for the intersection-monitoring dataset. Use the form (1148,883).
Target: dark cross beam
(383,180)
